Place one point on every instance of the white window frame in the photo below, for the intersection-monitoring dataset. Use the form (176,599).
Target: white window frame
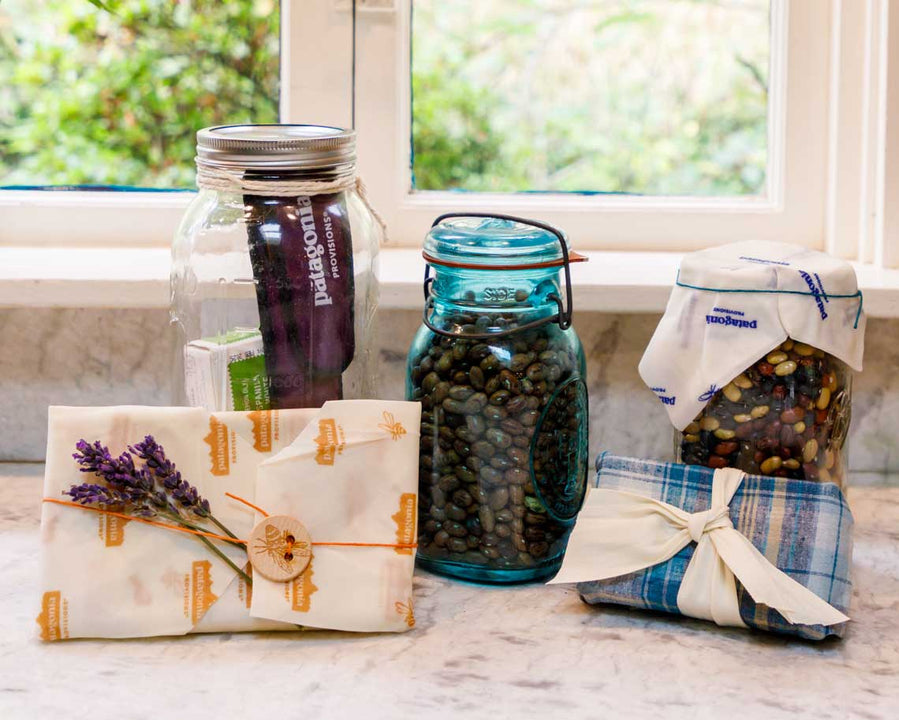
(316,87)
(794,206)
(829,184)
(832,185)
(863,187)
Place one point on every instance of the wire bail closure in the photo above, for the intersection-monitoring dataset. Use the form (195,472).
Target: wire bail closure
(562,318)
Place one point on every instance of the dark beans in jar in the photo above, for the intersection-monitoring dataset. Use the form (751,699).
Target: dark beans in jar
(785,416)
(481,401)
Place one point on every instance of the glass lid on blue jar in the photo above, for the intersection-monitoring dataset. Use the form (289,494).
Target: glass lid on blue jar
(496,262)
(490,241)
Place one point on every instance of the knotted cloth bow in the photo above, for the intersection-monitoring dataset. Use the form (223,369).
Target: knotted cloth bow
(619,532)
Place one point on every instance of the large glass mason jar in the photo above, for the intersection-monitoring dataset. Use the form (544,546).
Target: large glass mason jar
(273,276)
(500,375)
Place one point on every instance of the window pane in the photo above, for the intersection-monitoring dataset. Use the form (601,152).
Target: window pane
(92,97)
(656,97)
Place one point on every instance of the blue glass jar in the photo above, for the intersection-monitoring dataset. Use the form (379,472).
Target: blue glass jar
(500,375)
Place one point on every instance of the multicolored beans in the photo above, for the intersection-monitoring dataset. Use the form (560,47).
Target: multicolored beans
(786,416)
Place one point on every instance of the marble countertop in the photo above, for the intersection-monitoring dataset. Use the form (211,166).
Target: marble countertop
(475,653)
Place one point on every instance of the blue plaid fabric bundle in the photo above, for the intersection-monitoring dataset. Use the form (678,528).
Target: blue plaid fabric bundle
(803,528)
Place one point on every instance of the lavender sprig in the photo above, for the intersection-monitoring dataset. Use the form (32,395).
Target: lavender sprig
(90,494)
(164,470)
(118,472)
(157,488)
(127,486)
(185,494)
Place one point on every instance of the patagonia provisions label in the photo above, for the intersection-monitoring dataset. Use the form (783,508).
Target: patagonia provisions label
(663,395)
(817,290)
(323,265)
(730,318)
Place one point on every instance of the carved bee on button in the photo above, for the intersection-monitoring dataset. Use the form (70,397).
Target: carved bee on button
(280,546)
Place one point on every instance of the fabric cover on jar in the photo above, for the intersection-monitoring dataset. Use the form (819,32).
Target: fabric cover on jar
(733,304)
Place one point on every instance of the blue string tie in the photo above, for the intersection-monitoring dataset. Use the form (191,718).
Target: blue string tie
(825,296)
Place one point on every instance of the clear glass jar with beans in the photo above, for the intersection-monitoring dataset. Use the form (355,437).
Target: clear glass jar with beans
(786,415)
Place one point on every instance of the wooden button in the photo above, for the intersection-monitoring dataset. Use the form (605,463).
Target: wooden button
(279,548)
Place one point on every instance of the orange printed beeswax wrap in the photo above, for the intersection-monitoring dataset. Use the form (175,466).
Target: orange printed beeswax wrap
(104,576)
(350,477)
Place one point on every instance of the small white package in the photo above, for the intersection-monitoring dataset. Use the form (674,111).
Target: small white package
(733,304)
(227,372)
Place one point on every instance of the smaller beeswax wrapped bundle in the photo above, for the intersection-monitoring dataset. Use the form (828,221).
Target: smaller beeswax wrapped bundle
(150,514)
(739,550)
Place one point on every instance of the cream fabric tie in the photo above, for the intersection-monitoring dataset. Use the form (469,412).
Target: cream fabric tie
(619,532)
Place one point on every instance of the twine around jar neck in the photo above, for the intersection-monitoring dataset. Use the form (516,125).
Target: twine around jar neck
(235,181)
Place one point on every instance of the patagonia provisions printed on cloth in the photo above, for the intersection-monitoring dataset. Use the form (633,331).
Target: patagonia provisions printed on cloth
(733,304)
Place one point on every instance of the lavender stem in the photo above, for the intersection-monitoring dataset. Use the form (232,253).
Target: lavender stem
(246,578)
(174,515)
(222,527)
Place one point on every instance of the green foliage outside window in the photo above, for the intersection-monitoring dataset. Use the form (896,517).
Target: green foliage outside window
(656,97)
(89,96)
(664,97)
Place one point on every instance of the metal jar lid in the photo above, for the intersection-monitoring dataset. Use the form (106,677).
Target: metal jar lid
(276,147)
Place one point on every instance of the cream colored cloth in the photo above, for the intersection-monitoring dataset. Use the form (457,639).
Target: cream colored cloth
(618,532)
(351,476)
(108,577)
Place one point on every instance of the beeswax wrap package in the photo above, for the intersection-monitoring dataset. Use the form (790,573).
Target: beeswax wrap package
(351,477)
(109,576)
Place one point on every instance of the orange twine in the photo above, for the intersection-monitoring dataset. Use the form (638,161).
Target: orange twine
(214,536)
(247,503)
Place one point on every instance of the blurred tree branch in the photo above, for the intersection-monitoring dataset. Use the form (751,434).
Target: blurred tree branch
(754,70)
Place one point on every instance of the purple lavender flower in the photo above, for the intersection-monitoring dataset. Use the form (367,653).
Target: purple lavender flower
(118,472)
(164,470)
(90,494)
(154,455)
(139,487)
(156,488)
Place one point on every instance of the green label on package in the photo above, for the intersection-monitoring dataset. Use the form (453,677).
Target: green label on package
(249,385)
(232,336)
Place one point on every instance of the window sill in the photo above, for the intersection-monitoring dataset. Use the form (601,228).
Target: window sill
(620,282)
